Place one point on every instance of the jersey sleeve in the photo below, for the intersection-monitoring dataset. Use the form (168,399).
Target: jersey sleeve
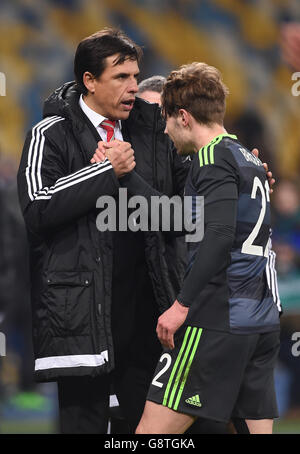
(213,252)
(215,177)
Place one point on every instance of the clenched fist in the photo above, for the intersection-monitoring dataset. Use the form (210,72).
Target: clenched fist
(120,154)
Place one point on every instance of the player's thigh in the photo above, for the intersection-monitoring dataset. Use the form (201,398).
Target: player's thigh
(257,400)
(261,426)
(158,419)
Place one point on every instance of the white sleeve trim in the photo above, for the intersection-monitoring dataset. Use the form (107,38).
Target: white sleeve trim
(58,362)
(36,191)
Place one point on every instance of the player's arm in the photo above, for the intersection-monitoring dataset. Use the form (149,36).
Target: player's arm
(213,253)
(181,168)
(211,257)
(137,186)
(218,183)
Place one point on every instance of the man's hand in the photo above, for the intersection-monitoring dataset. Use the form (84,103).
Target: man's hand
(169,322)
(120,154)
(268,172)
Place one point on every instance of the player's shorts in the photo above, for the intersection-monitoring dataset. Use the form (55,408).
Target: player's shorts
(217,375)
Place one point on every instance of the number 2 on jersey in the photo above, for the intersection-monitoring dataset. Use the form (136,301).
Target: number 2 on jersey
(248,246)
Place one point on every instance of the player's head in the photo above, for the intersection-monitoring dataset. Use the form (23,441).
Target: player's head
(193,96)
(150,89)
(106,69)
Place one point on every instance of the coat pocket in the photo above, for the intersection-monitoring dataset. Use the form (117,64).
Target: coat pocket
(68,300)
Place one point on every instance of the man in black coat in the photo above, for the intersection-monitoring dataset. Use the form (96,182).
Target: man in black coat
(96,295)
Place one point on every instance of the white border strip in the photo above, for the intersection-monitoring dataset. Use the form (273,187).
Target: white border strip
(100,167)
(33,150)
(56,362)
(34,165)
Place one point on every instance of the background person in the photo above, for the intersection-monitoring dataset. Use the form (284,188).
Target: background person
(150,89)
(290,44)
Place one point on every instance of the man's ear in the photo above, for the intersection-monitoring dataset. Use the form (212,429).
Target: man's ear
(184,117)
(89,81)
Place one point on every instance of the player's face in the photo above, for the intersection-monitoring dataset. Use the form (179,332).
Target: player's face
(178,135)
(116,88)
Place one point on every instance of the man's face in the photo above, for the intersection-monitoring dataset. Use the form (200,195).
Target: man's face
(178,134)
(151,96)
(116,88)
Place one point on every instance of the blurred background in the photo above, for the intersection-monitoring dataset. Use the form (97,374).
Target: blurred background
(255,44)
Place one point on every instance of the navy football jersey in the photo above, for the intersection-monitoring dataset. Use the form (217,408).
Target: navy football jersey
(243,296)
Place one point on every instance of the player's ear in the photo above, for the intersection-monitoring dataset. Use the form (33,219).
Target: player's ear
(184,117)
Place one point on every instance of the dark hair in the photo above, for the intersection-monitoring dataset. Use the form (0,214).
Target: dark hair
(154,83)
(199,89)
(93,50)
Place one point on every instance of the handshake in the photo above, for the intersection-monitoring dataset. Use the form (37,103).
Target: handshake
(120,154)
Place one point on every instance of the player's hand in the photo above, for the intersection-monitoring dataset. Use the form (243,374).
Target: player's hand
(99,155)
(120,154)
(169,322)
(268,172)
